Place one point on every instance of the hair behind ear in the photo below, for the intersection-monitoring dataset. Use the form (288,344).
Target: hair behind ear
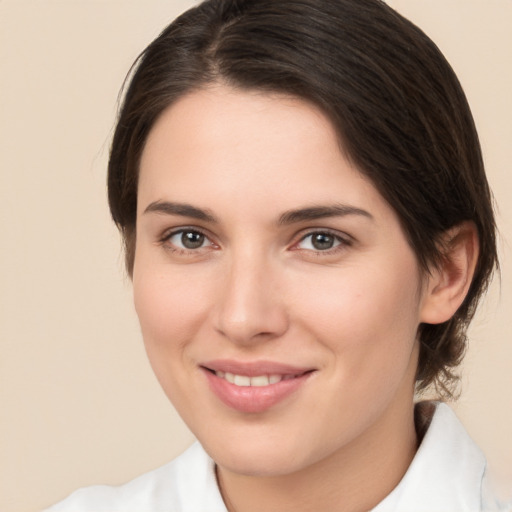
(448,307)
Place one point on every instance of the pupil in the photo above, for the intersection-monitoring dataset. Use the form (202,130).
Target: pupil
(192,240)
(321,241)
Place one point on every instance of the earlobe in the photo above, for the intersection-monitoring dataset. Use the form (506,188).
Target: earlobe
(448,284)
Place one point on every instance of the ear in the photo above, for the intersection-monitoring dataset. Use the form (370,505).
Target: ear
(447,285)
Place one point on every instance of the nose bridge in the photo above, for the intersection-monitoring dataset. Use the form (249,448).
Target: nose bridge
(250,306)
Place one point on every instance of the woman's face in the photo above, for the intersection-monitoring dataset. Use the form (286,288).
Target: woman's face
(277,295)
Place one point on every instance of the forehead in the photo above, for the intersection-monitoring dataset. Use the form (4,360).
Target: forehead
(221,119)
(243,149)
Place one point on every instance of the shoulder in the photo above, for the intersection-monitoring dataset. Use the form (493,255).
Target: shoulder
(186,484)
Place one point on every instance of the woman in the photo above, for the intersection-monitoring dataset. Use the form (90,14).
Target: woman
(308,227)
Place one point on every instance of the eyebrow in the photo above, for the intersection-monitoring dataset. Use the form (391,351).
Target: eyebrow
(321,212)
(286,218)
(181,209)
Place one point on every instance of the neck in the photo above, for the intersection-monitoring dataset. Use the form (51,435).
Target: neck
(354,479)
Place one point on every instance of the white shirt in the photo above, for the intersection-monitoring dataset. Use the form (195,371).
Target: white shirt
(447,474)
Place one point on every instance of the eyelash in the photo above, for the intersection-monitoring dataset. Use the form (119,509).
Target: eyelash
(342,242)
(165,241)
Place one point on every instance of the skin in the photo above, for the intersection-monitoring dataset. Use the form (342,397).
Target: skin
(257,288)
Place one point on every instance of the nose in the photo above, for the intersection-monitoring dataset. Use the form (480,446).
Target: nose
(251,306)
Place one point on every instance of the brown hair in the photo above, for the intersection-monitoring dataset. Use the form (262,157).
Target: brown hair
(396,103)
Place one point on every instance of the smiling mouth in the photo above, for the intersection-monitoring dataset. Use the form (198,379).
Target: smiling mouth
(254,387)
(256,381)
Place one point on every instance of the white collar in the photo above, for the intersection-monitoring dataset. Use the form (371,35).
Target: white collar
(446,473)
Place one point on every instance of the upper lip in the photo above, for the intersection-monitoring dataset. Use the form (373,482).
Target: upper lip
(254,368)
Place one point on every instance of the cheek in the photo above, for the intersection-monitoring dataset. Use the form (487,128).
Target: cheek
(171,311)
(169,307)
(367,315)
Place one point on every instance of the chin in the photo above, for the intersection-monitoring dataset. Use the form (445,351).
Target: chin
(264,465)
(263,454)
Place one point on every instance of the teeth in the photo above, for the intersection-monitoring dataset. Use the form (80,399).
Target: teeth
(258,381)
(262,380)
(242,380)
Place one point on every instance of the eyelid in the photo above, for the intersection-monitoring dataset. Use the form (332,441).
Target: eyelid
(344,239)
(169,233)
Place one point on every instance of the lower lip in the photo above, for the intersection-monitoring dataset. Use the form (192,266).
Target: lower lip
(253,399)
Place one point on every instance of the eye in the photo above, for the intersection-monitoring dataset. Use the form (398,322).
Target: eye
(320,241)
(188,239)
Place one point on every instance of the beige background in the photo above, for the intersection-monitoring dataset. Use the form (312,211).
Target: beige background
(78,402)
